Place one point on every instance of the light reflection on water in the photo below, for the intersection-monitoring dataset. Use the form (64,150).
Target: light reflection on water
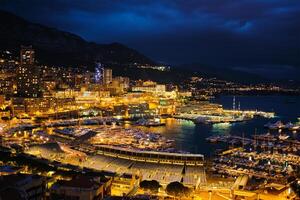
(190,137)
(221,128)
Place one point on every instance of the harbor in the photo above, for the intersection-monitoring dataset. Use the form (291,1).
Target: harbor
(165,149)
(210,113)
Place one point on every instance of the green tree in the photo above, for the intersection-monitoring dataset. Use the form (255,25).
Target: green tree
(177,189)
(152,185)
(295,181)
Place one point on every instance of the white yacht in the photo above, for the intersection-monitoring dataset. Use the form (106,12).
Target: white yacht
(292,127)
(277,125)
(283,137)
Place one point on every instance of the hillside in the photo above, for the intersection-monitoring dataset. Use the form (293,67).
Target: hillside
(61,48)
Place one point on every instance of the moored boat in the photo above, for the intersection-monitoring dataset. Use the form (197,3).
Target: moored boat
(277,125)
(292,127)
(283,137)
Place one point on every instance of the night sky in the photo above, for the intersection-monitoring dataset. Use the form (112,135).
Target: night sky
(235,33)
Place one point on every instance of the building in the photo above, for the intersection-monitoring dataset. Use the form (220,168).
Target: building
(6,86)
(22,186)
(5,113)
(8,170)
(99,72)
(18,107)
(79,188)
(26,55)
(28,75)
(67,77)
(107,76)
(274,191)
(151,87)
(3,101)
(117,87)
(124,184)
(124,81)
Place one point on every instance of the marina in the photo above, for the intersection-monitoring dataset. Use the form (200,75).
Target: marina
(226,116)
(279,125)
(212,112)
(167,149)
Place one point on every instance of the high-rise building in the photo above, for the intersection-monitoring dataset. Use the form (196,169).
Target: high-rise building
(107,76)
(99,72)
(26,55)
(28,75)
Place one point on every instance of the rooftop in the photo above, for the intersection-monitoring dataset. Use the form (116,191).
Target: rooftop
(78,182)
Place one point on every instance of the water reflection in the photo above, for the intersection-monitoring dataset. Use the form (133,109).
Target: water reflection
(191,137)
(221,128)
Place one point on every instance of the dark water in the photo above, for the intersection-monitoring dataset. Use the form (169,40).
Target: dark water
(190,137)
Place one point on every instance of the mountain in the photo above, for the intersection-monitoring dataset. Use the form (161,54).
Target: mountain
(61,48)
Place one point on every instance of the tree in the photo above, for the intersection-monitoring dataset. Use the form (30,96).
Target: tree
(152,185)
(295,181)
(296,188)
(177,189)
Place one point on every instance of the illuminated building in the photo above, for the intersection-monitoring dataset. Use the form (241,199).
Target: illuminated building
(82,97)
(124,81)
(185,94)
(139,110)
(118,85)
(67,77)
(18,106)
(49,85)
(26,55)
(155,67)
(6,86)
(2,100)
(82,92)
(5,113)
(99,72)
(133,110)
(124,184)
(28,84)
(150,86)
(166,107)
(107,76)
(35,106)
(5,109)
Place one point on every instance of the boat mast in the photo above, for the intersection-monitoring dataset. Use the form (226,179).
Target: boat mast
(255,138)
(233,103)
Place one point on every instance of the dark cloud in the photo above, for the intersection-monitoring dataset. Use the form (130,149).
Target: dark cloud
(218,32)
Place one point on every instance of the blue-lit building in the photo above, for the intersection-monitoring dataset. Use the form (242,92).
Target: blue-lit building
(99,72)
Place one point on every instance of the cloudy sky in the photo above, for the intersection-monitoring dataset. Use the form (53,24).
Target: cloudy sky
(234,33)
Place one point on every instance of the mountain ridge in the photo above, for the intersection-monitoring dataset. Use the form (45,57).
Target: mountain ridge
(61,48)
(58,47)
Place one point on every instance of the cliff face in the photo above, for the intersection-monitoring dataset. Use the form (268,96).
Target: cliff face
(61,48)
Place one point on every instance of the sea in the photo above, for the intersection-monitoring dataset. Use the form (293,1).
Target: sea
(190,137)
